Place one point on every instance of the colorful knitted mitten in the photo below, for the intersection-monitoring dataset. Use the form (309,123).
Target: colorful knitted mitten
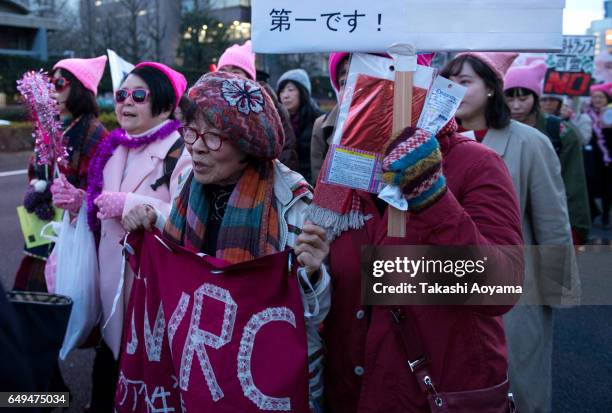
(414,164)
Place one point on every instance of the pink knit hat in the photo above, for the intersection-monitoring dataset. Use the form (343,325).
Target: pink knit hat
(88,71)
(336,58)
(177,80)
(239,56)
(603,87)
(497,62)
(529,77)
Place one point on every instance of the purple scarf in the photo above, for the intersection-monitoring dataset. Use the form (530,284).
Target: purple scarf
(601,142)
(95,176)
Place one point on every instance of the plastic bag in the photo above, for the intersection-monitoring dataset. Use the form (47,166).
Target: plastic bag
(51,263)
(365,121)
(76,276)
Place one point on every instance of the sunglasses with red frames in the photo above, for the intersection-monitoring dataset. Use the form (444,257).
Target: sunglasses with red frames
(138,95)
(60,83)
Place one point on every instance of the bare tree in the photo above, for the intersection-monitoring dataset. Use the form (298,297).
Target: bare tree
(134,9)
(156,29)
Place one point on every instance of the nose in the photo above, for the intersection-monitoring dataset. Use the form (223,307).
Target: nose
(199,147)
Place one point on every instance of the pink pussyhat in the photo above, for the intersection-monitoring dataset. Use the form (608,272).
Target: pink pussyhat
(336,58)
(241,57)
(603,87)
(177,80)
(528,77)
(499,63)
(88,71)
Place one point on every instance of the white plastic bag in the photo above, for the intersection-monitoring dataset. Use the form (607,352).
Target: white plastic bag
(51,263)
(76,276)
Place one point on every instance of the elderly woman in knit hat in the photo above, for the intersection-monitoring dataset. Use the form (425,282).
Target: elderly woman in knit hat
(294,91)
(234,135)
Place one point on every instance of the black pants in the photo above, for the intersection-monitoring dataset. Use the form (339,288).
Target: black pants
(104,380)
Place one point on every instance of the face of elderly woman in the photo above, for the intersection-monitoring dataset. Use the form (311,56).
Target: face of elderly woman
(136,116)
(221,167)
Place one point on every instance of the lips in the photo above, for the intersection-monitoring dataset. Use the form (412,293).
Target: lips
(200,167)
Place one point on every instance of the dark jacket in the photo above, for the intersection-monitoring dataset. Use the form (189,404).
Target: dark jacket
(288,156)
(322,135)
(567,144)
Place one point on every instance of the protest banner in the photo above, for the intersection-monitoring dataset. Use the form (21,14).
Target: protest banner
(430,25)
(204,335)
(570,72)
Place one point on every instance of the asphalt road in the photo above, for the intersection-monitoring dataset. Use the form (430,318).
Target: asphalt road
(582,360)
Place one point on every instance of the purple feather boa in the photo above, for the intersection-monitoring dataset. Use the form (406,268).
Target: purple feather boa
(95,176)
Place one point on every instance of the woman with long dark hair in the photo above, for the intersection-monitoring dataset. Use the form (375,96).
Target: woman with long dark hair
(294,91)
(536,174)
(76,86)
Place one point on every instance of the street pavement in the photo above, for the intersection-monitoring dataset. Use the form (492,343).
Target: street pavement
(582,359)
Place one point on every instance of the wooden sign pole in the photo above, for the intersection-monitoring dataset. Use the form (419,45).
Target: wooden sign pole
(405,66)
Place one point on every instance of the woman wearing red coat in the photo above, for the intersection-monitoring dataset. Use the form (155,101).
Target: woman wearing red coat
(467,199)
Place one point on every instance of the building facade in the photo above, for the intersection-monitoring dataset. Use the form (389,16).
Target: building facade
(23,33)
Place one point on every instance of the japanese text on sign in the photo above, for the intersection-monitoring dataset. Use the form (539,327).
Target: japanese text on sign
(578,55)
(282,20)
(283,26)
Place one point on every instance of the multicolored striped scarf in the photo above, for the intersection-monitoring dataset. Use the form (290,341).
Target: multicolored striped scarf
(249,228)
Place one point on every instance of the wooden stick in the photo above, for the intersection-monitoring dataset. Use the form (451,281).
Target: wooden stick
(402,118)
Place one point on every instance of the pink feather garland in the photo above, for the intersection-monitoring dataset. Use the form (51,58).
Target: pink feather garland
(37,91)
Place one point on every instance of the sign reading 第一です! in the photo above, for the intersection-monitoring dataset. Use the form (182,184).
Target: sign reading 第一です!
(430,25)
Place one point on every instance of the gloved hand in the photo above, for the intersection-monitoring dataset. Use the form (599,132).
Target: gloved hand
(66,196)
(110,204)
(414,164)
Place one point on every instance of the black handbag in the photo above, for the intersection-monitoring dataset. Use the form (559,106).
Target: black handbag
(40,320)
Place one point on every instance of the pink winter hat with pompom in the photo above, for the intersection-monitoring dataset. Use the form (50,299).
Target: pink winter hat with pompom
(241,57)
(528,77)
(177,80)
(88,71)
(499,63)
(337,57)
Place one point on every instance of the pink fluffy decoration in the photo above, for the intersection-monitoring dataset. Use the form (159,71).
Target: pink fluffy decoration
(36,90)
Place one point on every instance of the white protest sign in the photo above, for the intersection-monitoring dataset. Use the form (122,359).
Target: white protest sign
(431,25)
(119,68)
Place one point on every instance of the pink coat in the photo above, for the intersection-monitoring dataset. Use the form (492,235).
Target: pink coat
(146,166)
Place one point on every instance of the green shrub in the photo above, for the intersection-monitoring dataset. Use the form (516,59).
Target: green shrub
(109,120)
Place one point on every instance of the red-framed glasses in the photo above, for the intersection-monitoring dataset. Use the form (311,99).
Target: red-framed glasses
(138,95)
(212,141)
